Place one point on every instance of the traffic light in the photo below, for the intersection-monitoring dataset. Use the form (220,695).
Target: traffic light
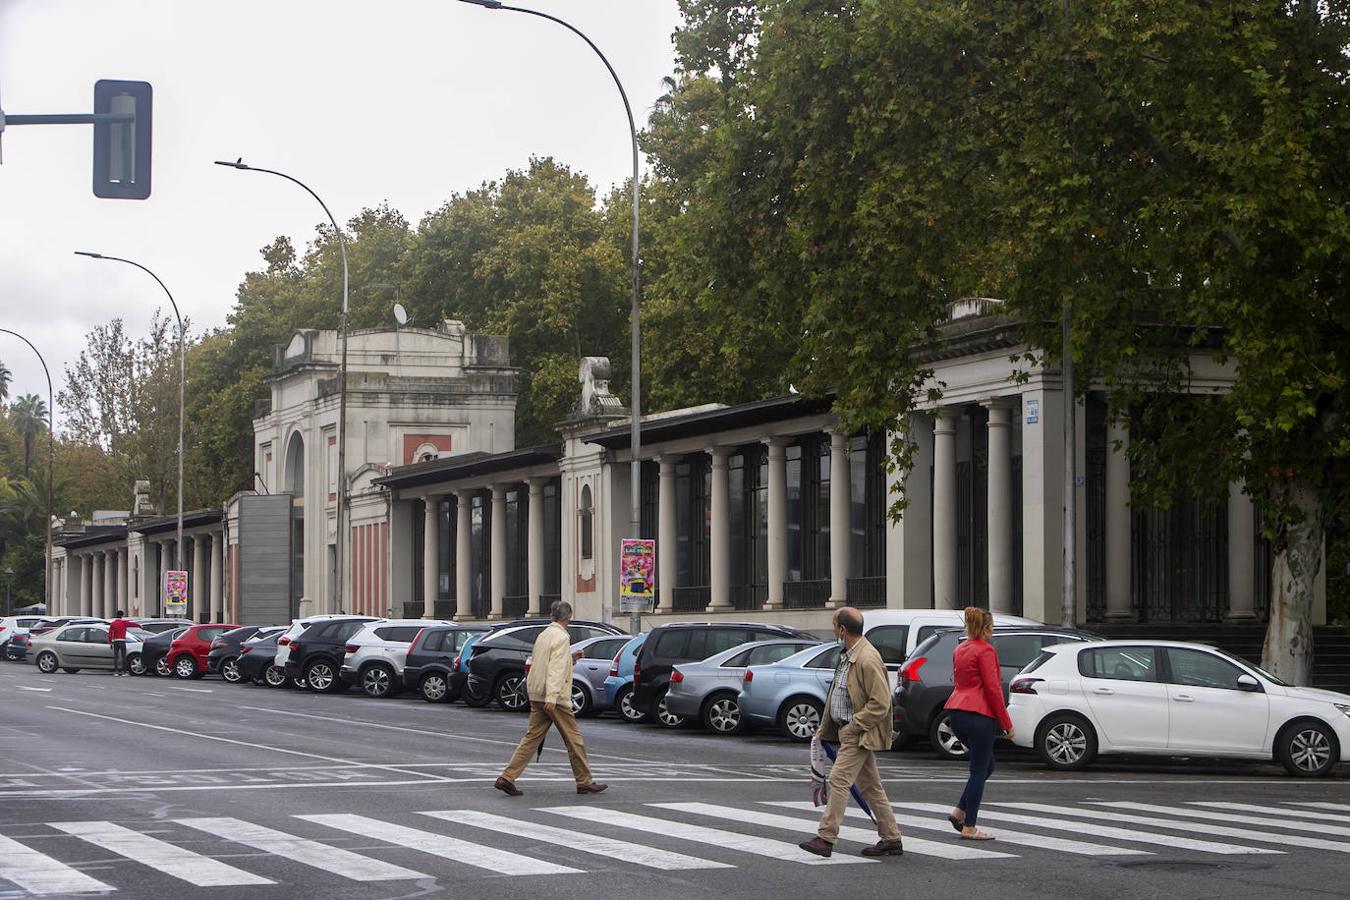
(122,148)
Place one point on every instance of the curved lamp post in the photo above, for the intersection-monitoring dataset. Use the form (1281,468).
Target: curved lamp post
(51,457)
(342,368)
(635,438)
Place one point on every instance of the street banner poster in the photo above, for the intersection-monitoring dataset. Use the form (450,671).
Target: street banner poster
(637,573)
(175,593)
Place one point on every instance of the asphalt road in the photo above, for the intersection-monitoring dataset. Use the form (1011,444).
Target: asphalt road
(154,788)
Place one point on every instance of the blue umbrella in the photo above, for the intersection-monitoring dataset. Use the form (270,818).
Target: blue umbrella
(818,777)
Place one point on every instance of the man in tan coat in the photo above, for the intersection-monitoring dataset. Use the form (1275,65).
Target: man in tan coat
(550,688)
(857,717)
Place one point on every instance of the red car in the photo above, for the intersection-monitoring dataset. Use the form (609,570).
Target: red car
(187,654)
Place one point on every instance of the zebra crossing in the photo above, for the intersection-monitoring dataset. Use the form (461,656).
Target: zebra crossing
(53,859)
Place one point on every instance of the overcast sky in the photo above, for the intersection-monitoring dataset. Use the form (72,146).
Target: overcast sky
(404,101)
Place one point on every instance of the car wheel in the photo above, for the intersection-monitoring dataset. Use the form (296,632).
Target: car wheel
(510,692)
(1307,749)
(185,666)
(581,701)
(799,718)
(229,670)
(476,697)
(378,681)
(162,668)
(321,677)
(722,714)
(69,670)
(47,663)
(1066,742)
(664,715)
(10,653)
(274,677)
(135,665)
(624,704)
(899,741)
(435,688)
(945,742)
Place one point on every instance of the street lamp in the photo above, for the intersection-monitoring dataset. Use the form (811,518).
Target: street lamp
(342,367)
(182,381)
(635,468)
(51,457)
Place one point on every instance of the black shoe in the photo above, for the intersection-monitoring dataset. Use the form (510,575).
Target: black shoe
(507,788)
(592,788)
(885,848)
(818,845)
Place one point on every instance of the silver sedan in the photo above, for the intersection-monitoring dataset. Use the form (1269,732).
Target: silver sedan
(589,672)
(709,689)
(80,646)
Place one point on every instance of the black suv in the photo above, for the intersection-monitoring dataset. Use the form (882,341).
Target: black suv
(498,668)
(317,654)
(223,656)
(925,680)
(431,661)
(459,675)
(669,645)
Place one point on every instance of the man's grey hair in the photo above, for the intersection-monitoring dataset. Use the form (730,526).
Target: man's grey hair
(561,610)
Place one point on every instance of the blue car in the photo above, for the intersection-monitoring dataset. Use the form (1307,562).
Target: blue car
(619,684)
(789,694)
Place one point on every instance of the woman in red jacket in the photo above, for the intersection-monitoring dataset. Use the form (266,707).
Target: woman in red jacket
(976,709)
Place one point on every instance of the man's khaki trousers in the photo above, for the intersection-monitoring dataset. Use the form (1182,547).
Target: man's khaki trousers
(855,764)
(540,720)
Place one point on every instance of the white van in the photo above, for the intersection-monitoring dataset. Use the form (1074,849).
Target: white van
(896,632)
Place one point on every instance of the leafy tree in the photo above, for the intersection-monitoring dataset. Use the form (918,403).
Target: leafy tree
(5,378)
(29,413)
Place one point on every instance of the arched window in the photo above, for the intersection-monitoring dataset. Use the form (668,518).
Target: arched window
(586,523)
(295,465)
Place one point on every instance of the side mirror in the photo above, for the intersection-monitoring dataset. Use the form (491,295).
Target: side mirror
(1246,682)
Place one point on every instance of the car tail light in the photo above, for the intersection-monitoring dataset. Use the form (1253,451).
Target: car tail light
(245,649)
(2,629)
(637,673)
(282,642)
(910,670)
(297,648)
(676,677)
(529,664)
(417,638)
(352,648)
(614,669)
(217,643)
(748,677)
(455,665)
(1024,685)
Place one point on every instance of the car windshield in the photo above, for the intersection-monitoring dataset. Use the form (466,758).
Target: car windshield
(1242,662)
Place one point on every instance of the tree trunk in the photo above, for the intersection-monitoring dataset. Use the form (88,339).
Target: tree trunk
(1288,649)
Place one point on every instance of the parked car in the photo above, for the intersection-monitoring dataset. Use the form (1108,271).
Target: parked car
(497,667)
(709,690)
(376,654)
(297,628)
(223,656)
(896,632)
(926,679)
(188,652)
(789,694)
(590,672)
(1163,698)
(42,626)
(159,626)
(480,693)
(255,661)
(432,658)
(16,650)
(680,642)
(10,626)
(619,683)
(154,654)
(80,646)
(316,655)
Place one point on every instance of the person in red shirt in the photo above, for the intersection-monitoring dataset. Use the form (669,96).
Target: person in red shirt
(117,636)
(976,709)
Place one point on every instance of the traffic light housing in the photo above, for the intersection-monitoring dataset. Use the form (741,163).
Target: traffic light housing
(122,148)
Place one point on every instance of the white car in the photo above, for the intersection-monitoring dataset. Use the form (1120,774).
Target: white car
(896,632)
(377,653)
(12,625)
(1163,698)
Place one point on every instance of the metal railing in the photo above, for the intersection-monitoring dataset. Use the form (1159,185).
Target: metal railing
(806,594)
(514,606)
(867,593)
(749,596)
(690,599)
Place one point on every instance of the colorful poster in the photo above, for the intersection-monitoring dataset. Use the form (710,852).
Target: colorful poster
(637,569)
(175,592)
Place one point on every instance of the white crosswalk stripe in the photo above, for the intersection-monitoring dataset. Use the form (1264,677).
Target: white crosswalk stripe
(1210,816)
(1343,807)
(625,851)
(1005,835)
(178,862)
(306,852)
(1272,811)
(730,840)
(39,874)
(807,827)
(500,861)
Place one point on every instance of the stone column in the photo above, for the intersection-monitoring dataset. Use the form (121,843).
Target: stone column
(99,563)
(944,511)
(86,584)
(777,536)
(839,520)
(498,550)
(719,553)
(1241,555)
(109,584)
(431,555)
(124,579)
(534,552)
(198,576)
(1117,525)
(165,560)
(666,531)
(217,578)
(999,514)
(463,554)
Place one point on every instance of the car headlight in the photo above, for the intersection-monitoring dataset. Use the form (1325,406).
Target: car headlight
(1343,707)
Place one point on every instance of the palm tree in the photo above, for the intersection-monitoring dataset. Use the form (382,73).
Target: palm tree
(5,378)
(30,418)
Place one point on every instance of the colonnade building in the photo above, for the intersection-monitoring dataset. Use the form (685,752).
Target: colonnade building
(764,510)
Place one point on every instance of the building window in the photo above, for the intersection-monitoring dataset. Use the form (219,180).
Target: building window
(552,505)
(585,523)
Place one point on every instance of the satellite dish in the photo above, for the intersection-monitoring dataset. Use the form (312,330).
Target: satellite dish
(400,314)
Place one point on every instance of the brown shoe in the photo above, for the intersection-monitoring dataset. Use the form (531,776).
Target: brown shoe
(885,848)
(507,788)
(818,845)
(592,788)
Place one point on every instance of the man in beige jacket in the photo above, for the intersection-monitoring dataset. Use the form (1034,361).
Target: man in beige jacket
(550,688)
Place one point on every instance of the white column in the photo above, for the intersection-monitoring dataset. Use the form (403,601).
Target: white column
(86,584)
(1117,524)
(999,515)
(666,530)
(100,566)
(166,556)
(198,576)
(124,579)
(463,554)
(839,520)
(431,556)
(944,511)
(109,584)
(719,553)
(1241,554)
(217,577)
(777,536)
(498,550)
(534,552)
